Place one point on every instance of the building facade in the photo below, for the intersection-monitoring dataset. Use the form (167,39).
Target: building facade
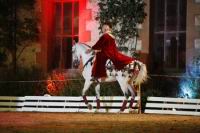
(169,36)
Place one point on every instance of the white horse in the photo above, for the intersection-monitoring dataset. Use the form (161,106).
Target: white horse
(133,74)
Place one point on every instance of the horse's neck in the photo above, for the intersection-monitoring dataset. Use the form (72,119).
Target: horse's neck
(85,57)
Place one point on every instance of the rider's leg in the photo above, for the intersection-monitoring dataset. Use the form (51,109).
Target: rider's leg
(98,69)
(97,90)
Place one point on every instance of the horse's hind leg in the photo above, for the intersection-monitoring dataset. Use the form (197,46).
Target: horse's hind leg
(123,86)
(132,96)
(85,88)
(97,90)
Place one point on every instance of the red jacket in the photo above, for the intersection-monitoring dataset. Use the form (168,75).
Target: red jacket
(109,50)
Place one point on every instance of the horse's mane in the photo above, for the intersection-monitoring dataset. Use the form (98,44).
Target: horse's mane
(85,46)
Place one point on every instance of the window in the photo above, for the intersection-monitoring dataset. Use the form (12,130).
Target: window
(66,22)
(168,35)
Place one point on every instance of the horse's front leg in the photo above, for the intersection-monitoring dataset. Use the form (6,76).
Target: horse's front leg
(125,101)
(97,90)
(85,88)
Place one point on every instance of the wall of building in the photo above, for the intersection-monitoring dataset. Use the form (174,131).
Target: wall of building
(92,26)
(144,35)
(192,32)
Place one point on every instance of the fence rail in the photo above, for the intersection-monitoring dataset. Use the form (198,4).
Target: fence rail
(167,105)
(111,104)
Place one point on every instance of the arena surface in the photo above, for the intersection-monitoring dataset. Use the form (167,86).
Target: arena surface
(24,122)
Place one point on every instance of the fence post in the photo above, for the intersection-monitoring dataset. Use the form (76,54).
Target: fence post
(139,101)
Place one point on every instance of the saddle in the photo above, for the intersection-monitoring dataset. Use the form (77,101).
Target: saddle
(130,68)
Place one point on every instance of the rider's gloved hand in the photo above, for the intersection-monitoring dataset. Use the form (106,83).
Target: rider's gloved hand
(88,51)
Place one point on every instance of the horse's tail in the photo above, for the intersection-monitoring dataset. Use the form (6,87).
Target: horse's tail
(142,74)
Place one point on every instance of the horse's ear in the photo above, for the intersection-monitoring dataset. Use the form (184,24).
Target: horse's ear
(73,42)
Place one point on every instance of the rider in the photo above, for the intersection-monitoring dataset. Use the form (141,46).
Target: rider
(105,49)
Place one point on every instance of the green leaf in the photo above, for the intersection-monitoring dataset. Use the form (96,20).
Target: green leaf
(124,15)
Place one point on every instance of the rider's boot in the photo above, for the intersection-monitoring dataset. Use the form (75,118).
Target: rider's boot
(94,79)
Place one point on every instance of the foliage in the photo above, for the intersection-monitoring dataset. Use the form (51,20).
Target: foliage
(26,81)
(33,81)
(159,86)
(124,15)
(189,87)
(3,56)
(55,83)
(193,68)
(59,85)
(190,84)
(18,25)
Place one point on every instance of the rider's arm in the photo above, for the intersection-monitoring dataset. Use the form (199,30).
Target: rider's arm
(98,46)
(100,43)
(90,50)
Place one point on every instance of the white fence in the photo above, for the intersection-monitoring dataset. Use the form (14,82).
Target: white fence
(11,103)
(112,104)
(179,106)
(62,104)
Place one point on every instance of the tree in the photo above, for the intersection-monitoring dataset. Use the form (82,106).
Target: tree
(16,29)
(125,15)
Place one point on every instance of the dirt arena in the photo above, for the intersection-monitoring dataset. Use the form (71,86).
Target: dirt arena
(21,122)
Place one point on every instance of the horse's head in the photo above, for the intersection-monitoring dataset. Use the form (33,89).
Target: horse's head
(76,56)
(79,53)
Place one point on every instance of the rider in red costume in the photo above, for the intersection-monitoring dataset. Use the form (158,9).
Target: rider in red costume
(105,49)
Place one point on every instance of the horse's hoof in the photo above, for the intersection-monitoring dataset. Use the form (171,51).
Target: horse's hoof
(119,112)
(89,106)
(131,110)
(97,111)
